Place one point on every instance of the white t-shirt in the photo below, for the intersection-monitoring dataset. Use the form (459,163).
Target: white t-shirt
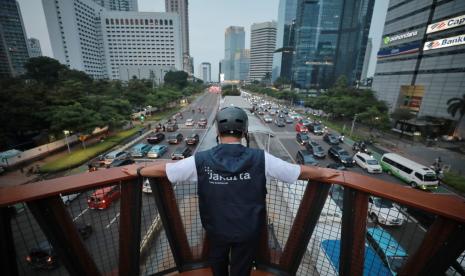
(186,171)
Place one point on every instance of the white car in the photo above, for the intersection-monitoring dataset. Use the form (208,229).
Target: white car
(190,122)
(382,211)
(267,119)
(146,188)
(367,163)
(68,198)
(295,116)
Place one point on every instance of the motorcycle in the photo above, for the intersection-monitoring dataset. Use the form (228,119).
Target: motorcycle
(360,147)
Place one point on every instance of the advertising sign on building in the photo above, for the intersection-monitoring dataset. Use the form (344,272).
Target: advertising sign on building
(446,24)
(444,42)
(389,39)
(406,49)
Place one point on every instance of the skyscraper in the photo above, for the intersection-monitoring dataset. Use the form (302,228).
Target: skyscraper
(118,5)
(262,46)
(113,44)
(366,60)
(330,41)
(234,42)
(77,43)
(13,42)
(205,71)
(181,7)
(242,65)
(148,53)
(34,47)
(420,62)
(282,58)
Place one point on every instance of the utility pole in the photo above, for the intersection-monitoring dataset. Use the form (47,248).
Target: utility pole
(353,124)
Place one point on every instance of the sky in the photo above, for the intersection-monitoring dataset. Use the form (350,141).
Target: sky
(207,21)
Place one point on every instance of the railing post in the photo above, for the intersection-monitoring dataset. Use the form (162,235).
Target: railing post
(58,227)
(171,218)
(304,223)
(442,245)
(129,232)
(7,246)
(354,219)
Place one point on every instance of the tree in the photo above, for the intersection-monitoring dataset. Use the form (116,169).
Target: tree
(374,118)
(456,105)
(44,70)
(75,118)
(267,78)
(176,78)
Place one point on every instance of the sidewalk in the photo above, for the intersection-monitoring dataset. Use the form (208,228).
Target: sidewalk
(19,176)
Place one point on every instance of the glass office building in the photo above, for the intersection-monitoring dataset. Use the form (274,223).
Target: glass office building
(234,42)
(421,61)
(330,41)
(13,42)
(282,58)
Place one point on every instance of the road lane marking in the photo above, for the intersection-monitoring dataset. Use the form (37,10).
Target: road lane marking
(112,221)
(80,214)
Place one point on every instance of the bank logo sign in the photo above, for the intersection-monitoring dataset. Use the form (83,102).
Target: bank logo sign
(389,39)
(444,43)
(446,24)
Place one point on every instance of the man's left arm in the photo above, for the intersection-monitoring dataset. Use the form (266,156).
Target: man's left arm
(155,170)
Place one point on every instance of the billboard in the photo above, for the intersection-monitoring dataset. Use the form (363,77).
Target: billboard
(446,24)
(389,39)
(444,42)
(402,50)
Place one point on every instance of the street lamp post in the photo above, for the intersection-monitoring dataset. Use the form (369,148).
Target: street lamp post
(66,132)
(353,124)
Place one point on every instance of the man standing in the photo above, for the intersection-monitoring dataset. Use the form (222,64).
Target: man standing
(232,190)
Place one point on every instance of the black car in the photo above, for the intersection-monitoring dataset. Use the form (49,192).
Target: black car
(42,257)
(336,166)
(304,157)
(341,155)
(280,122)
(121,162)
(315,149)
(302,138)
(175,138)
(317,129)
(155,138)
(331,139)
(192,139)
(172,127)
(84,229)
(181,153)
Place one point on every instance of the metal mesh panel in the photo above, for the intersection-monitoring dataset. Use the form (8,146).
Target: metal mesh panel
(100,208)
(188,203)
(156,254)
(27,237)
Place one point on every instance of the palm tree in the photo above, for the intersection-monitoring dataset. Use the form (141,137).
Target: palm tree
(456,105)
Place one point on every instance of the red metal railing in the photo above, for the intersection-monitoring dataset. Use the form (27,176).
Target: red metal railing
(160,232)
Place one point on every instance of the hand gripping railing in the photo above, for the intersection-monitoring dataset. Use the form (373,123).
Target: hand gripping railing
(442,244)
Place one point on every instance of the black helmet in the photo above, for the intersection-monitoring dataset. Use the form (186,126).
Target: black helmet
(232,120)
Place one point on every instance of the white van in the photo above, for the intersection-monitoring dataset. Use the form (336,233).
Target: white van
(417,175)
(367,162)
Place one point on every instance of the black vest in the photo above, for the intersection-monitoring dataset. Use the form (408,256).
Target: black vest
(232,191)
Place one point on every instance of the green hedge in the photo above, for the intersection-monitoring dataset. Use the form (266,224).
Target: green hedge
(78,157)
(454,180)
